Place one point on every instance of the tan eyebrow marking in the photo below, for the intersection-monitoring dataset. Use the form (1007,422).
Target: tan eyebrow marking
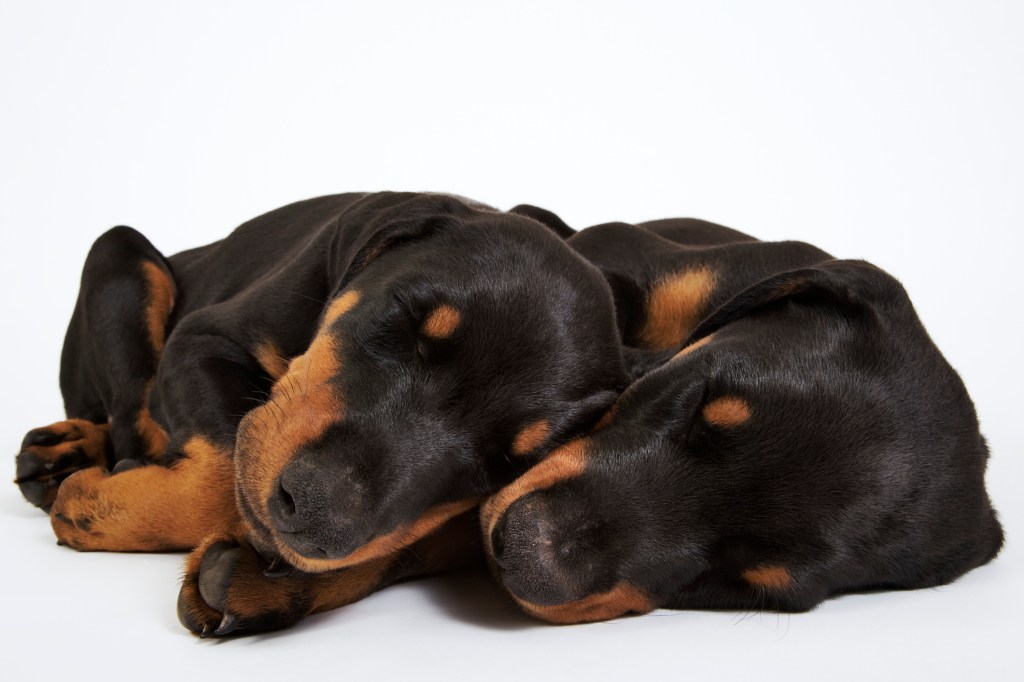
(727,412)
(530,437)
(441,322)
(770,577)
(675,306)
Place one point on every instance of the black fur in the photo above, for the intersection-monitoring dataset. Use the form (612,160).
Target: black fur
(860,466)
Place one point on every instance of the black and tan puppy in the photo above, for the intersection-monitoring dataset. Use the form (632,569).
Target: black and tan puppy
(794,434)
(332,383)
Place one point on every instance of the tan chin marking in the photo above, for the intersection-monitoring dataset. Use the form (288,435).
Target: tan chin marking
(303,405)
(768,577)
(531,437)
(618,601)
(674,307)
(442,322)
(564,463)
(727,412)
(384,545)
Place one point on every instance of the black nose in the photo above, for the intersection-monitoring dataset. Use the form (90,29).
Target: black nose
(318,509)
(282,506)
(545,556)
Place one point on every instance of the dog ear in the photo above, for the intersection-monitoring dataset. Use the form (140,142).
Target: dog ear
(853,285)
(546,218)
(369,230)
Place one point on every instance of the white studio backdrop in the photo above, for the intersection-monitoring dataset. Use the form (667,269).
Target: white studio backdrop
(889,131)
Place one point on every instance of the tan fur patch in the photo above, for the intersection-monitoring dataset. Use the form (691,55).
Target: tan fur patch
(531,437)
(564,463)
(149,509)
(159,304)
(618,601)
(675,306)
(271,359)
(769,577)
(442,322)
(338,307)
(700,343)
(76,434)
(727,412)
(302,406)
(152,434)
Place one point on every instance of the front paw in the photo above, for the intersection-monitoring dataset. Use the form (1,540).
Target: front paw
(227,591)
(81,512)
(50,454)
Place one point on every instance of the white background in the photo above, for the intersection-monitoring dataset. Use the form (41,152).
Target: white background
(890,131)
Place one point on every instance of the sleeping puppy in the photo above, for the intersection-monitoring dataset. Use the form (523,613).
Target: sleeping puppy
(793,434)
(312,403)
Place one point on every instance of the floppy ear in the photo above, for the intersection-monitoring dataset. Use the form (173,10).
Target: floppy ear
(850,284)
(372,227)
(545,218)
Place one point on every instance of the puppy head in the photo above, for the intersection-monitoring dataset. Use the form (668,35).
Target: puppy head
(462,344)
(808,440)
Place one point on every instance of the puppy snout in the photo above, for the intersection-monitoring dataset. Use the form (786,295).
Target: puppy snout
(315,509)
(544,557)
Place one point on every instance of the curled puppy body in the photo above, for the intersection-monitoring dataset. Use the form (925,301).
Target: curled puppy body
(331,383)
(792,434)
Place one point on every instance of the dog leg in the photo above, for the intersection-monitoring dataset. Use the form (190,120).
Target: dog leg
(206,383)
(110,358)
(228,588)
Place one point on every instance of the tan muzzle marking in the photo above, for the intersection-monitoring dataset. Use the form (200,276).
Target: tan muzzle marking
(618,601)
(562,464)
(302,406)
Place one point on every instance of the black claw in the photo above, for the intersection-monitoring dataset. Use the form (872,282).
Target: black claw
(61,543)
(206,632)
(227,625)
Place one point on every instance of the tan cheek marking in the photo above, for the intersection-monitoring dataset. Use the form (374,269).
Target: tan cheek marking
(303,405)
(442,322)
(675,306)
(564,463)
(769,577)
(271,359)
(159,304)
(620,600)
(727,412)
(384,545)
(700,343)
(531,437)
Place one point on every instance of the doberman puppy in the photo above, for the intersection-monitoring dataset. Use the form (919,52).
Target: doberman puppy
(314,402)
(792,434)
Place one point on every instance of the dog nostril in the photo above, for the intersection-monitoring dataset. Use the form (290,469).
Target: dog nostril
(498,539)
(283,510)
(287,501)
